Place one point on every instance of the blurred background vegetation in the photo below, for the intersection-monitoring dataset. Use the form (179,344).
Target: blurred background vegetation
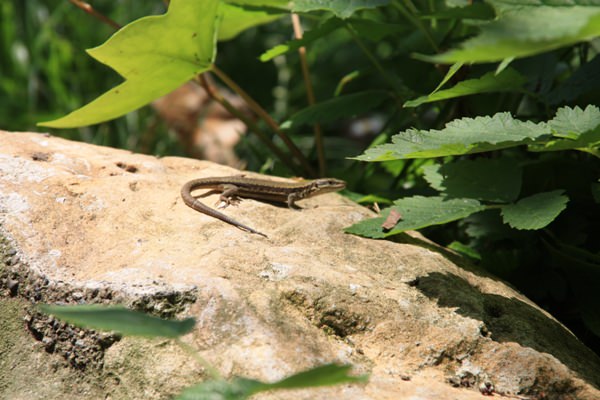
(45,73)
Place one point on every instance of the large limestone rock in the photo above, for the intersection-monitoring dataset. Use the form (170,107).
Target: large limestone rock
(82,223)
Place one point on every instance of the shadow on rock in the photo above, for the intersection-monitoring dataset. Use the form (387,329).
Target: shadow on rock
(512,320)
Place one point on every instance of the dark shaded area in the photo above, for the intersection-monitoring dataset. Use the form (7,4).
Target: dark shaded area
(511,320)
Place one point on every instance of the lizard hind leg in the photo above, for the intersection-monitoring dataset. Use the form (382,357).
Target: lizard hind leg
(226,201)
(229,196)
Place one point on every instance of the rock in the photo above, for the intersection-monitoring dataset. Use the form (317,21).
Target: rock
(87,224)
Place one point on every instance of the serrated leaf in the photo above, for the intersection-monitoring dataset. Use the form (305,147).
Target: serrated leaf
(120,319)
(155,55)
(417,212)
(242,388)
(341,8)
(521,31)
(310,36)
(461,136)
(431,173)
(579,128)
(572,122)
(497,180)
(535,212)
(506,81)
(588,142)
(237,18)
(336,108)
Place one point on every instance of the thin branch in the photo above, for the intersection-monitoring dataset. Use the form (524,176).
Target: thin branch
(266,117)
(212,371)
(90,10)
(375,63)
(310,95)
(215,95)
(409,10)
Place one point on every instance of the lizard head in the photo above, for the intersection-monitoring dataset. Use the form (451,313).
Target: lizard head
(326,185)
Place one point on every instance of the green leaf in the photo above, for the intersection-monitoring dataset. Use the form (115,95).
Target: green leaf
(497,180)
(508,80)
(336,108)
(155,55)
(236,389)
(120,319)
(238,18)
(573,122)
(310,36)
(341,8)
(365,199)
(522,30)
(241,388)
(462,136)
(325,375)
(478,10)
(586,79)
(431,173)
(535,212)
(417,212)
(576,129)
(451,71)
(465,250)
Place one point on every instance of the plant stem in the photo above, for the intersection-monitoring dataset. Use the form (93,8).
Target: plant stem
(90,10)
(212,372)
(409,10)
(310,95)
(374,61)
(215,95)
(266,117)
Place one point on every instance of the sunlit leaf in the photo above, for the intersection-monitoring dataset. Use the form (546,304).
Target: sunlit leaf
(417,212)
(462,136)
(524,30)
(506,81)
(575,129)
(155,55)
(238,18)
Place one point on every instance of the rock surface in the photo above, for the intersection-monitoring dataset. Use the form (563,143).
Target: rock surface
(82,223)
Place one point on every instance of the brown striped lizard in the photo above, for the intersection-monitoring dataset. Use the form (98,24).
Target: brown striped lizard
(234,187)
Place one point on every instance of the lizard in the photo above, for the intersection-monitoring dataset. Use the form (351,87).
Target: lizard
(233,187)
